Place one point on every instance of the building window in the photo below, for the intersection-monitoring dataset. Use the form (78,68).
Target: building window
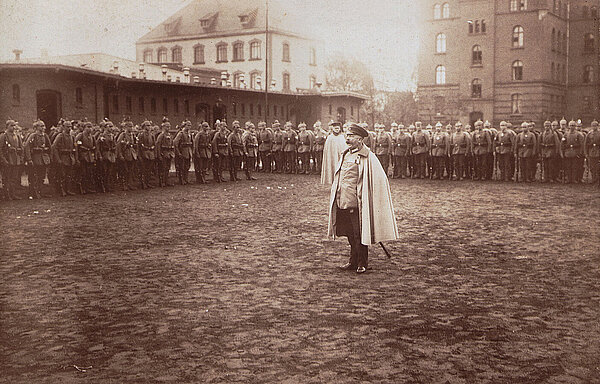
(199,54)
(148,56)
(437,12)
(286,81)
(275,110)
(518,5)
(559,47)
(517,70)
(330,109)
(483,26)
(445,10)
(128,104)
(440,75)
(176,55)
(476,88)
(16,93)
(351,110)
(286,52)
(153,105)
(221,53)
(237,80)
(259,109)
(558,73)
(517,37)
(564,42)
(588,43)
(176,106)
(553,40)
(586,105)
(440,43)
(588,74)
(116,103)
(255,50)
(238,51)
(312,82)
(78,96)
(243,109)
(254,80)
(141,105)
(517,103)
(476,55)
(162,55)
(165,106)
(186,107)
(553,72)
(477,30)
(282,111)
(251,109)
(471,29)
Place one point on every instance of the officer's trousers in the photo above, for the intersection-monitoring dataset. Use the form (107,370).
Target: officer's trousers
(571,171)
(318,161)
(400,166)
(107,174)
(526,164)
(438,166)
(305,160)
(64,178)
(11,175)
(348,224)
(291,161)
(419,166)
(384,160)
(459,165)
(550,168)
(594,168)
(265,161)
(36,175)
(480,167)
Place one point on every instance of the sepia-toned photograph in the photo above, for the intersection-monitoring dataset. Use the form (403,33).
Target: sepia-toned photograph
(286,191)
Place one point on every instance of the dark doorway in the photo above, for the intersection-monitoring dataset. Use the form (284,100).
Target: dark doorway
(474,116)
(201,113)
(341,115)
(49,107)
(219,112)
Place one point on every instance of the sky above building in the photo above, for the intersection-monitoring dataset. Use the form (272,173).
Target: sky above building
(380,33)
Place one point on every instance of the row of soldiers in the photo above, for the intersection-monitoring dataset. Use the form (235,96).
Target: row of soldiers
(560,152)
(80,157)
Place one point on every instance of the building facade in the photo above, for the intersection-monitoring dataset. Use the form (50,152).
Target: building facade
(51,91)
(232,37)
(509,60)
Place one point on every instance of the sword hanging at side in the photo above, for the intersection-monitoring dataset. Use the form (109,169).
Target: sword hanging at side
(389,256)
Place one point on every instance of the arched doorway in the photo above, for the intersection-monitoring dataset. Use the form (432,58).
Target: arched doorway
(474,116)
(341,115)
(201,113)
(49,106)
(219,112)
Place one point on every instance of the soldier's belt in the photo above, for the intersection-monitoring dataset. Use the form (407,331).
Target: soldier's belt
(435,145)
(252,145)
(222,145)
(278,142)
(480,145)
(547,145)
(461,145)
(186,144)
(417,144)
(202,146)
(383,145)
(402,145)
(40,149)
(67,150)
(167,148)
(237,145)
(147,148)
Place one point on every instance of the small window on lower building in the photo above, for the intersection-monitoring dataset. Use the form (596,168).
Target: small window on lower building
(259,110)
(16,93)
(587,105)
(251,109)
(165,106)
(141,105)
(153,105)
(116,103)
(128,104)
(176,106)
(243,109)
(517,104)
(78,97)
(186,107)
(476,88)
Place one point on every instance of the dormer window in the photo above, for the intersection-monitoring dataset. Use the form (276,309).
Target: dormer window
(244,19)
(204,23)
(248,17)
(208,21)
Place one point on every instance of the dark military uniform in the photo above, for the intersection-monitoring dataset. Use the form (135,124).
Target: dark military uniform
(107,149)
(147,151)
(63,149)
(183,155)
(460,143)
(277,150)
(481,146)
(290,139)
(127,156)
(440,147)
(236,153)
(592,152)
(220,151)
(202,153)
(86,153)
(305,143)
(402,142)
(320,138)
(250,142)
(265,145)
(165,151)
(572,147)
(383,148)
(550,153)
(37,153)
(11,160)
(526,149)
(420,149)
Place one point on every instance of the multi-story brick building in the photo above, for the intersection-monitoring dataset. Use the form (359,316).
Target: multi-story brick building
(509,60)
(231,36)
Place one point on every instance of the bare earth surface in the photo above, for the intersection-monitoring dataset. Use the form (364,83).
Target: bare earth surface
(490,283)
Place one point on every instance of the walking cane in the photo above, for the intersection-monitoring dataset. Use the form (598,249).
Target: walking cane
(389,256)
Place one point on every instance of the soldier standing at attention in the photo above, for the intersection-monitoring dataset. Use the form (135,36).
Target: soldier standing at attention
(440,147)
(250,141)
(37,154)
(86,153)
(236,151)
(420,149)
(504,148)
(220,152)
(265,145)
(481,146)
(460,143)
(127,156)
(183,152)
(383,144)
(526,149)
(489,172)
(580,163)
(290,139)
(572,146)
(550,152)
(147,148)
(320,138)
(165,153)
(402,145)
(107,156)
(305,143)
(277,149)
(592,151)
(202,153)
(63,149)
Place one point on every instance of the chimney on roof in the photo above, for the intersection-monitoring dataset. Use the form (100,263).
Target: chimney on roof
(17,53)
(164,71)
(116,67)
(196,79)
(44,52)
(186,75)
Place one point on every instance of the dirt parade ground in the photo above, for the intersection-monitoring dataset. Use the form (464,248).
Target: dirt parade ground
(236,283)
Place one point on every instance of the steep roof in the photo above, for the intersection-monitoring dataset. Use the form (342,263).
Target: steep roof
(216,17)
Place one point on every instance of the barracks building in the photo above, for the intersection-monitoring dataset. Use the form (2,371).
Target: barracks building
(210,61)
(510,60)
